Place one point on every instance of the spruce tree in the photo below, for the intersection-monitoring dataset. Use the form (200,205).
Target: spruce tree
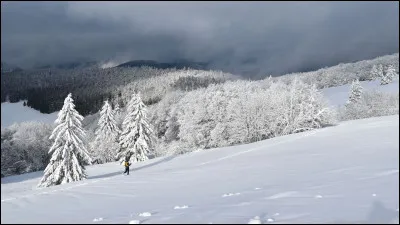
(107,123)
(105,146)
(69,154)
(355,92)
(390,73)
(137,136)
(374,74)
(117,109)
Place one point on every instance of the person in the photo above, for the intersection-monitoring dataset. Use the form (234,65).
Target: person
(126,164)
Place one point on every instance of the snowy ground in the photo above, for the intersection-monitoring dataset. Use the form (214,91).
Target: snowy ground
(339,95)
(346,173)
(17,113)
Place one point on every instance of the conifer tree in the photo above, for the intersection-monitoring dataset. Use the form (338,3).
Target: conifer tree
(137,136)
(355,92)
(105,146)
(387,78)
(69,154)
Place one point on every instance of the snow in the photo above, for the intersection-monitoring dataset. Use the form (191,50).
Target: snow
(17,113)
(97,219)
(345,164)
(255,220)
(181,207)
(230,194)
(109,64)
(145,214)
(339,95)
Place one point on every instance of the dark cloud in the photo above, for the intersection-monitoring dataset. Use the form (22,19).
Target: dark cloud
(242,37)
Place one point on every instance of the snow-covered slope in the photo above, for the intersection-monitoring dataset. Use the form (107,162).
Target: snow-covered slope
(339,95)
(17,112)
(346,173)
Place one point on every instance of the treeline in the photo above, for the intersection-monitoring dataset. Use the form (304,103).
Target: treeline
(24,147)
(45,89)
(345,73)
(237,112)
(153,89)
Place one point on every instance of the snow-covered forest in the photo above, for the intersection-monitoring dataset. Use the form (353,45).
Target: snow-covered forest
(188,109)
(345,73)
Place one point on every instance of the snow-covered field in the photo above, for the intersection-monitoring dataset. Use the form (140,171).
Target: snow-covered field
(339,95)
(17,113)
(346,173)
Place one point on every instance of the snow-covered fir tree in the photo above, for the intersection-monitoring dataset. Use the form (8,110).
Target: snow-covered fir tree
(106,145)
(117,109)
(381,74)
(118,114)
(390,73)
(69,151)
(376,72)
(355,92)
(137,136)
(107,123)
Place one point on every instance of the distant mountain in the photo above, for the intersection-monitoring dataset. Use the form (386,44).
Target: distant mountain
(177,64)
(5,67)
(69,65)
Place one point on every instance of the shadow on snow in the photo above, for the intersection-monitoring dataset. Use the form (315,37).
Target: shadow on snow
(163,160)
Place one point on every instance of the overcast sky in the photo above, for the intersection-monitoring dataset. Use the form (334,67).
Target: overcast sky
(262,37)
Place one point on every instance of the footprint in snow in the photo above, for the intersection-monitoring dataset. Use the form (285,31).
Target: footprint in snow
(230,194)
(145,214)
(181,207)
(257,188)
(318,196)
(97,219)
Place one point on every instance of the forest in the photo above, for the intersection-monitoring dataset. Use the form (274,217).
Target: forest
(188,109)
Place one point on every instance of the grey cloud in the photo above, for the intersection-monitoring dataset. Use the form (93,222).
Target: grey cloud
(255,37)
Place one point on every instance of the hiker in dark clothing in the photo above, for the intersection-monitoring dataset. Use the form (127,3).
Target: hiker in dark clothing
(126,164)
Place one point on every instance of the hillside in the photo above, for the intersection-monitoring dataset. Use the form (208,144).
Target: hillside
(339,95)
(344,73)
(17,113)
(45,88)
(161,65)
(346,173)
